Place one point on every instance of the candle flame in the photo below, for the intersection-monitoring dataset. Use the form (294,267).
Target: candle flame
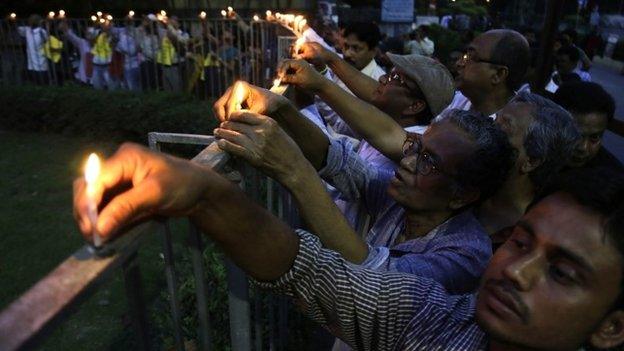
(109,17)
(51,14)
(230,9)
(99,13)
(268,13)
(92,170)
(277,82)
(202,14)
(61,13)
(238,96)
(256,18)
(93,18)
(13,15)
(298,44)
(223,13)
(130,13)
(163,13)
(102,20)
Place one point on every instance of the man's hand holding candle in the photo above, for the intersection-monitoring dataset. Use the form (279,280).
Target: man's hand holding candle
(264,144)
(316,54)
(301,74)
(250,97)
(155,188)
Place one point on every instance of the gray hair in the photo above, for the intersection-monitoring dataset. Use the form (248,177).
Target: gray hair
(551,136)
(488,167)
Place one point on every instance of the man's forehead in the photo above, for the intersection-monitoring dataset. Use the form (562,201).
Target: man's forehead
(559,222)
(484,43)
(591,122)
(352,39)
(446,140)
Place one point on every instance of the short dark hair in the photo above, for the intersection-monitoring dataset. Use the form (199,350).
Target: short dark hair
(602,190)
(513,51)
(424,28)
(585,97)
(489,165)
(365,31)
(550,137)
(570,51)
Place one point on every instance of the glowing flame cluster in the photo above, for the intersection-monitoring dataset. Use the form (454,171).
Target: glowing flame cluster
(296,23)
(102,18)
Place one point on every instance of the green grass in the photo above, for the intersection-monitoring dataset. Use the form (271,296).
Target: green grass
(38,233)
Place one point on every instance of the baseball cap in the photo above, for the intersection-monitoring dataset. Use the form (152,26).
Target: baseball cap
(433,79)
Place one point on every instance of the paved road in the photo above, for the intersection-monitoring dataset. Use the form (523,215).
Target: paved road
(613,82)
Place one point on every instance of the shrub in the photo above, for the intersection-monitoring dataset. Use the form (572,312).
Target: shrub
(118,116)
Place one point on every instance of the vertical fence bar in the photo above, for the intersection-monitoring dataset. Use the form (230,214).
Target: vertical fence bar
(202,292)
(238,301)
(136,302)
(172,286)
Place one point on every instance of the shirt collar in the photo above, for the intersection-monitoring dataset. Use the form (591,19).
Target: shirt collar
(370,68)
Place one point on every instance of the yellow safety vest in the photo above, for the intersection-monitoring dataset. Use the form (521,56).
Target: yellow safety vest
(211,60)
(167,53)
(52,44)
(102,50)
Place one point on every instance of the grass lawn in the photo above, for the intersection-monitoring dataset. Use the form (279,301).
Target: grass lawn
(38,232)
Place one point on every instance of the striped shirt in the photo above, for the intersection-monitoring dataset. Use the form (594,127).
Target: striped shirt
(372,310)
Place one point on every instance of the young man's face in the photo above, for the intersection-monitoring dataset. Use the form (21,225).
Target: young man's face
(554,280)
(564,64)
(443,146)
(592,127)
(357,52)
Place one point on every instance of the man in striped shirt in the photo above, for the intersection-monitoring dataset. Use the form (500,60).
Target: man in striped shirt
(556,284)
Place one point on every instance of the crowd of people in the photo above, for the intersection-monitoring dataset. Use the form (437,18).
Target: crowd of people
(153,52)
(441,211)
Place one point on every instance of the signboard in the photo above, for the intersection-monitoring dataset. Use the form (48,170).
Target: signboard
(397,11)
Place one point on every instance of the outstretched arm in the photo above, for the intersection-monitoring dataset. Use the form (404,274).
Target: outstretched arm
(376,127)
(261,142)
(359,83)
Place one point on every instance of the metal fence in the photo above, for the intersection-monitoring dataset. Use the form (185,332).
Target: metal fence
(195,56)
(258,323)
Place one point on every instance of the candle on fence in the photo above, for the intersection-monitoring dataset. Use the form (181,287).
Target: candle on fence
(230,11)
(130,14)
(93,18)
(256,18)
(109,17)
(299,43)
(223,13)
(278,88)
(92,171)
(302,25)
(163,13)
(269,15)
(51,14)
(61,14)
(102,21)
(99,13)
(13,16)
(202,15)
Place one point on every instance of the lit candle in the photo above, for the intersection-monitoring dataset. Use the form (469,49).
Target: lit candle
(223,13)
(163,13)
(13,15)
(99,13)
(130,13)
(302,25)
(238,96)
(230,10)
(92,171)
(61,14)
(102,20)
(277,87)
(298,44)
(93,18)
(256,18)
(109,17)
(51,14)
(202,15)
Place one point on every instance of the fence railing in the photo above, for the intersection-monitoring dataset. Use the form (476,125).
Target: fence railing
(26,322)
(199,57)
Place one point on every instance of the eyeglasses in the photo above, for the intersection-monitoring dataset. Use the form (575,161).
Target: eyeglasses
(425,164)
(471,56)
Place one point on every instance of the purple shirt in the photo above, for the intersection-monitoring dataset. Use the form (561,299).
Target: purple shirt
(455,253)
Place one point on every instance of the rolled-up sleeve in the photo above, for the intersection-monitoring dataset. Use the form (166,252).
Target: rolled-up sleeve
(369,310)
(355,178)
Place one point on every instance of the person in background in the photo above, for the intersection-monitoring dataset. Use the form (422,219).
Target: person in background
(36,37)
(53,51)
(592,108)
(569,37)
(129,47)
(103,42)
(84,50)
(391,45)
(420,43)
(566,64)
(173,40)
(147,36)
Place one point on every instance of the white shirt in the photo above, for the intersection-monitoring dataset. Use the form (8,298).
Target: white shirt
(35,40)
(425,47)
(460,102)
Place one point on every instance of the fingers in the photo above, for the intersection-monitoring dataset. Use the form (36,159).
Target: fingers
(128,207)
(247,117)
(219,105)
(235,149)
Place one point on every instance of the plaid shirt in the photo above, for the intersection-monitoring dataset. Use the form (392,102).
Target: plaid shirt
(373,310)
(455,253)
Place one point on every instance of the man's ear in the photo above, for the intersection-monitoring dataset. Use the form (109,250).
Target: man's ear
(501,75)
(463,197)
(610,331)
(415,108)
